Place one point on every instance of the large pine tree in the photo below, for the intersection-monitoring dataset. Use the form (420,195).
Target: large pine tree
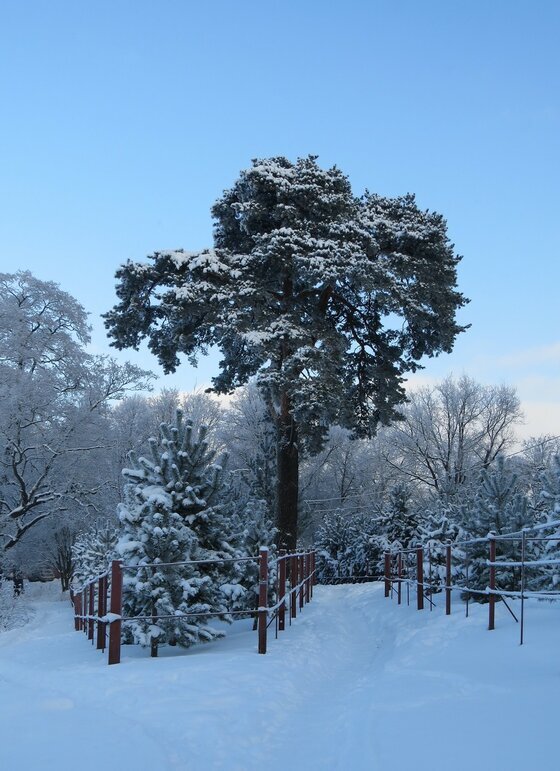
(330,299)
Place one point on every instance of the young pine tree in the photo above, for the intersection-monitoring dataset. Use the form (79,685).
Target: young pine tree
(500,507)
(547,577)
(173,512)
(337,546)
(254,529)
(437,526)
(399,519)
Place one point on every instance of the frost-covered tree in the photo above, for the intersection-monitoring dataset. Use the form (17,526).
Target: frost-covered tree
(500,507)
(347,474)
(348,545)
(248,433)
(399,519)
(548,576)
(550,487)
(254,529)
(335,543)
(451,431)
(329,299)
(53,398)
(138,417)
(537,471)
(173,512)
(438,524)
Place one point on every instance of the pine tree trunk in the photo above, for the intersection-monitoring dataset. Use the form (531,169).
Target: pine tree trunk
(288,478)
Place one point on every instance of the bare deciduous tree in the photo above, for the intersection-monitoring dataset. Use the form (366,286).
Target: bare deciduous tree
(452,431)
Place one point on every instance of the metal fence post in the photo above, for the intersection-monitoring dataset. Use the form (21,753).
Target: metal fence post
(492,602)
(448,579)
(399,573)
(307,574)
(116,609)
(420,578)
(523,558)
(263,597)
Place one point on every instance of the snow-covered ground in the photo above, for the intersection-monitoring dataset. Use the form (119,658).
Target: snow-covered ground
(356,683)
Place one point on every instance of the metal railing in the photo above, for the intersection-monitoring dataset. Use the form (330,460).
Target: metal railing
(399,571)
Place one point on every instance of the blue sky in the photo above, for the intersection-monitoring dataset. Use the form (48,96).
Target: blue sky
(123,121)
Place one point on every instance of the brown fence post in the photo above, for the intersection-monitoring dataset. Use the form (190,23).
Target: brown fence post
(293,584)
(492,601)
(399,573)
(387,572)
(100,613)
(91,612)
(282,589)
(448,579)
(73,601)
(301,576)
(420,578)
(116,609)
(83,611)
(307,574)
(77,611)
(313,571)
(263,597)
(105,598)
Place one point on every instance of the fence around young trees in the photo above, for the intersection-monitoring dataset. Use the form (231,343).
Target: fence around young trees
(415,569)
(98,604)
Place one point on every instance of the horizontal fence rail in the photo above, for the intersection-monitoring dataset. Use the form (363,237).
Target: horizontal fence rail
(293,589)
(407,568)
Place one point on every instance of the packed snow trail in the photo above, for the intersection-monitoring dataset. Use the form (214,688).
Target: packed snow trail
(355,683)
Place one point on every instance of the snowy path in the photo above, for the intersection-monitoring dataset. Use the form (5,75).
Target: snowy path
(355,683)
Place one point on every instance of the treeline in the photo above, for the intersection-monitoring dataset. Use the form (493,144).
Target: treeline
(69,422)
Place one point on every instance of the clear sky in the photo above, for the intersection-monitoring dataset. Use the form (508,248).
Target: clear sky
(123,120)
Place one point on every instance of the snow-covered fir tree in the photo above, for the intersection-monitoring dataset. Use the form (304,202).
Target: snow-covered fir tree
(254,529)
(336,546)
(500,507)
(174,512)
(399,518)
(547,577)
(437,526)
(370,546)
(348,545)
